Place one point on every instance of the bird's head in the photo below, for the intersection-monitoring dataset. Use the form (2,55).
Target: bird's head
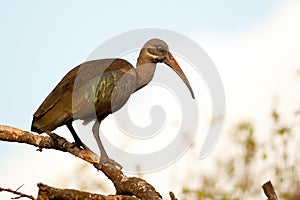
(158,52)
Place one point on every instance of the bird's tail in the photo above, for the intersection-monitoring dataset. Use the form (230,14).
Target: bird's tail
(35,126)
(49,121)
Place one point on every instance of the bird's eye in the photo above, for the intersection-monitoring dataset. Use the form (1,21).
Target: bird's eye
(160,48)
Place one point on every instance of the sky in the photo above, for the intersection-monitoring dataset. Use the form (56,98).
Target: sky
(252,43)
(41,41)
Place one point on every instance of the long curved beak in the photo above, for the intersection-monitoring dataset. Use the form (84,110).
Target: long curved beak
(172,63)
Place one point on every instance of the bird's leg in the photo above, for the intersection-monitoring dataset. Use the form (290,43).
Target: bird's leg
(103,153)
(104,159)
(78,141)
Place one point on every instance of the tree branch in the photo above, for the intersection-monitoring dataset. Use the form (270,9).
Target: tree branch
(269,191)
(172,196)
(20,194)
(50,193)
(123,184)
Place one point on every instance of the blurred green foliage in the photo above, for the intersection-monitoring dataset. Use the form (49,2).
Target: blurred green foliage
(276,155)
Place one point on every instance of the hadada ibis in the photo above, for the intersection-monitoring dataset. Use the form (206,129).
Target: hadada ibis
(95,89)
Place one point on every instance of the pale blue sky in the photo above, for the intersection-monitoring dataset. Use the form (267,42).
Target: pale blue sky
(42,40)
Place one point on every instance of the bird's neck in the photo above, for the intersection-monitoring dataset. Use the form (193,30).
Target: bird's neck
(145,70)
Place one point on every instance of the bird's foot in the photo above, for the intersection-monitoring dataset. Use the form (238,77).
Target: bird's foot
(52,135)
(78,145)
(110,162)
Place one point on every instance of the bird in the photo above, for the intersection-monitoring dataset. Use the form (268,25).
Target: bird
(97,88)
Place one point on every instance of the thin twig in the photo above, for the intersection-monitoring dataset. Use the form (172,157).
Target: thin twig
(16,193)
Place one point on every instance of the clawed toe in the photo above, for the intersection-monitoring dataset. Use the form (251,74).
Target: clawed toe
(110,162)
(78,145)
